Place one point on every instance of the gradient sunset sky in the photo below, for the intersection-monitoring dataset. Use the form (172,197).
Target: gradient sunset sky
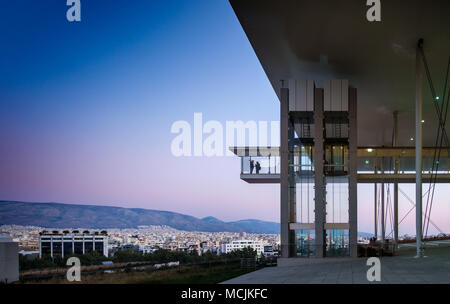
(86,108)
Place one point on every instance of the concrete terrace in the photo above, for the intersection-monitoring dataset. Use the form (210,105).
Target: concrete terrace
(401,269)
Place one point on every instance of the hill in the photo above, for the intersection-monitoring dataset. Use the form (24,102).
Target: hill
(57,215)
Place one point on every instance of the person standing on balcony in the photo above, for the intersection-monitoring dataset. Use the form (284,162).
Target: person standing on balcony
(258,167)
(252,165)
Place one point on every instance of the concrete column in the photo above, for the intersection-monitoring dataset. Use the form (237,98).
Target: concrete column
(9,260)
(105,247)
(375,198)
(353,172)
(284,172)
(419,152)
(292,191)
(395,144)
(319,185)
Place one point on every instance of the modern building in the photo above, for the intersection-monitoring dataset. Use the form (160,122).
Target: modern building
(149,249)
(316,124)
(65,243)
(130,247)
(9,259)
(353,105)
(241,244)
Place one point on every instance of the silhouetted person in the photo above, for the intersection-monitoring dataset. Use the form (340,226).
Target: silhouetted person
(252,165)
(258,167)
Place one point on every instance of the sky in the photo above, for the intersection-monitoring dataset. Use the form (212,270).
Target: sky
(86,108)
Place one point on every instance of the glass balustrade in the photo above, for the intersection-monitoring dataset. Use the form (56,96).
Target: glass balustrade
(260,165)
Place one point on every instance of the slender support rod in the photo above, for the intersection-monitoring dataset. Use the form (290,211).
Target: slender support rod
(375,206)
(419,151)
(383,220)
(395,144)
(292,190)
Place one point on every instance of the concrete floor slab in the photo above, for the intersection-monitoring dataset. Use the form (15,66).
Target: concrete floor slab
(400,269)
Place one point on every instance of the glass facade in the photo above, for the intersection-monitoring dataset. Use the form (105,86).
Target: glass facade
(336,129)
(337,199)
(57,248)
(99,247)
(336,160)
(305,243)
(45,247)
(336,183)
(70,245)
(78,247)
(304,196)
(304,158)
(304,176)
(88,247)
(67,248)
(337,242)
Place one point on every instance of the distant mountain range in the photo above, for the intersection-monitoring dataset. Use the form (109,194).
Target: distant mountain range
(54,215)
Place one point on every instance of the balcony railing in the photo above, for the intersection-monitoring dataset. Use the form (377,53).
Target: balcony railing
(267,165)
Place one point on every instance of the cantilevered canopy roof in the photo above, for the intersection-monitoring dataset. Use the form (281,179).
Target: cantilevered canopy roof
(329,39)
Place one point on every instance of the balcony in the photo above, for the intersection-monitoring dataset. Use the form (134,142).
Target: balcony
(374,164)
(269,172)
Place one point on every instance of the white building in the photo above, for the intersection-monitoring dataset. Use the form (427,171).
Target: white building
(66,243)
(241,244)
(148,249)
(9,259)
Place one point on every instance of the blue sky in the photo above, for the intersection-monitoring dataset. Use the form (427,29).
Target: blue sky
(86,107)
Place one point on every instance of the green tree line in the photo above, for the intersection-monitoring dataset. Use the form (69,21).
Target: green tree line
(157,257)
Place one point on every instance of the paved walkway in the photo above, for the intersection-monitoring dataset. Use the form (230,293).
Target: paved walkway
(401,269)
